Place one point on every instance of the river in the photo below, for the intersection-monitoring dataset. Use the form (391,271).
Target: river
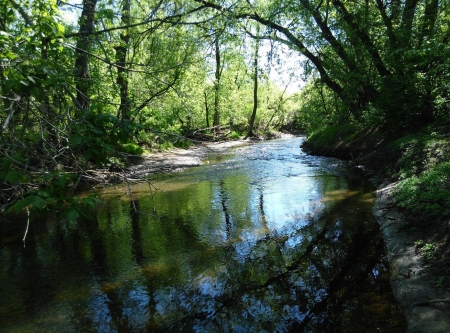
(263,238)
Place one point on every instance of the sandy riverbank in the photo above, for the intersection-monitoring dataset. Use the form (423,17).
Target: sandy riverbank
(179,159)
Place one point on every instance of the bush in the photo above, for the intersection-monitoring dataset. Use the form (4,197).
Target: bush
(133,149)
(235,135)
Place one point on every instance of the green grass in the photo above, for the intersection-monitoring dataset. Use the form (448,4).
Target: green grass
(133,149)
(427,192)
(333,134)
(423,168)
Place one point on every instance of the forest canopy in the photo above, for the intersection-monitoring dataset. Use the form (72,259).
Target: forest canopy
(128,76)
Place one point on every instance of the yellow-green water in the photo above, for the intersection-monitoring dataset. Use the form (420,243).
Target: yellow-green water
(264,239)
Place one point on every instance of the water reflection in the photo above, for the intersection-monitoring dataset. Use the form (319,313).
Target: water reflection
(266,240)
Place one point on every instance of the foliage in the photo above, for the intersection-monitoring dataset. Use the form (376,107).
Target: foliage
(427,249)
(332,135)
(235,135)
(82,95)
(427,193)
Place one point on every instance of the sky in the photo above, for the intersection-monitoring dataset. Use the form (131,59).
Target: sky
(283,69)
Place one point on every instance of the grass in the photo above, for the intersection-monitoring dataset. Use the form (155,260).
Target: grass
(332,135)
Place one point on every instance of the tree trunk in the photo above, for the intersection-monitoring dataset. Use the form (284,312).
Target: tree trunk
(218,74)
(255,90)
(429,20)
(81,71)
(121,62)
(407,23)
(206,109)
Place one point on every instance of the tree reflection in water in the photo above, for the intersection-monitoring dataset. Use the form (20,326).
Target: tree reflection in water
(270,241)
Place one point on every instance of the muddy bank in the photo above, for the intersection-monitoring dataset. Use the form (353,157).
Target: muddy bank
(140,168)
(412,282)
(424,301)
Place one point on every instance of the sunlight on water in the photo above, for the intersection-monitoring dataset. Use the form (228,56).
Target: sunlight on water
(265,238)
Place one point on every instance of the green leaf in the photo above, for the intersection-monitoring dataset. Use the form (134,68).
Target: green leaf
(36,201)
(72,214)
(62,181)
(75,140)
(33,200)
(43,193)
(14,177)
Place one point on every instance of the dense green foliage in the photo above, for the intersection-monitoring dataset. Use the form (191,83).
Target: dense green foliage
(423,169)
(86,94)
(125,77)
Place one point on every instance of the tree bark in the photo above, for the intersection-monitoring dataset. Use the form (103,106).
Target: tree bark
(81,71)
(121,61)
(255,90)
(206,109)
(407,23)
(218,74)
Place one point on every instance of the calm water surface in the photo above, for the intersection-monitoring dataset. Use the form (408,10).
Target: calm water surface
(262,239)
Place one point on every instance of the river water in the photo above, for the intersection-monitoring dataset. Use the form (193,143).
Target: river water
(263,238)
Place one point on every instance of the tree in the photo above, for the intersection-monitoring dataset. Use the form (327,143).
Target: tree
(121,62)
(255,86)
(81,70)
(365,53)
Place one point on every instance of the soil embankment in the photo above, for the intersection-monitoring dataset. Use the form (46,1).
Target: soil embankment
(419,291)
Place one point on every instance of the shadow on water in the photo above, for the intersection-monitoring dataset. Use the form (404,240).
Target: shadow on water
(268,239)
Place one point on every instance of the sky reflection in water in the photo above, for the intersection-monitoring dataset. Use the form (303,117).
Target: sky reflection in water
(264,239)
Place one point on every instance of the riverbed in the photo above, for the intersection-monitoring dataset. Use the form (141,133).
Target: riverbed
(260,238)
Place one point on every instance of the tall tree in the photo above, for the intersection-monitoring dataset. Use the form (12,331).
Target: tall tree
(351,54)
(217,76)
(251,123)
(81,71)
(121,61)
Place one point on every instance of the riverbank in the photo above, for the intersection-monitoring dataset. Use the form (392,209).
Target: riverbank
(140,168)
(414,285)
(416,241)
(158,162)
(417,281)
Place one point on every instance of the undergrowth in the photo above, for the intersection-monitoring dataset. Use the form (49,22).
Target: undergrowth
(423,171)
